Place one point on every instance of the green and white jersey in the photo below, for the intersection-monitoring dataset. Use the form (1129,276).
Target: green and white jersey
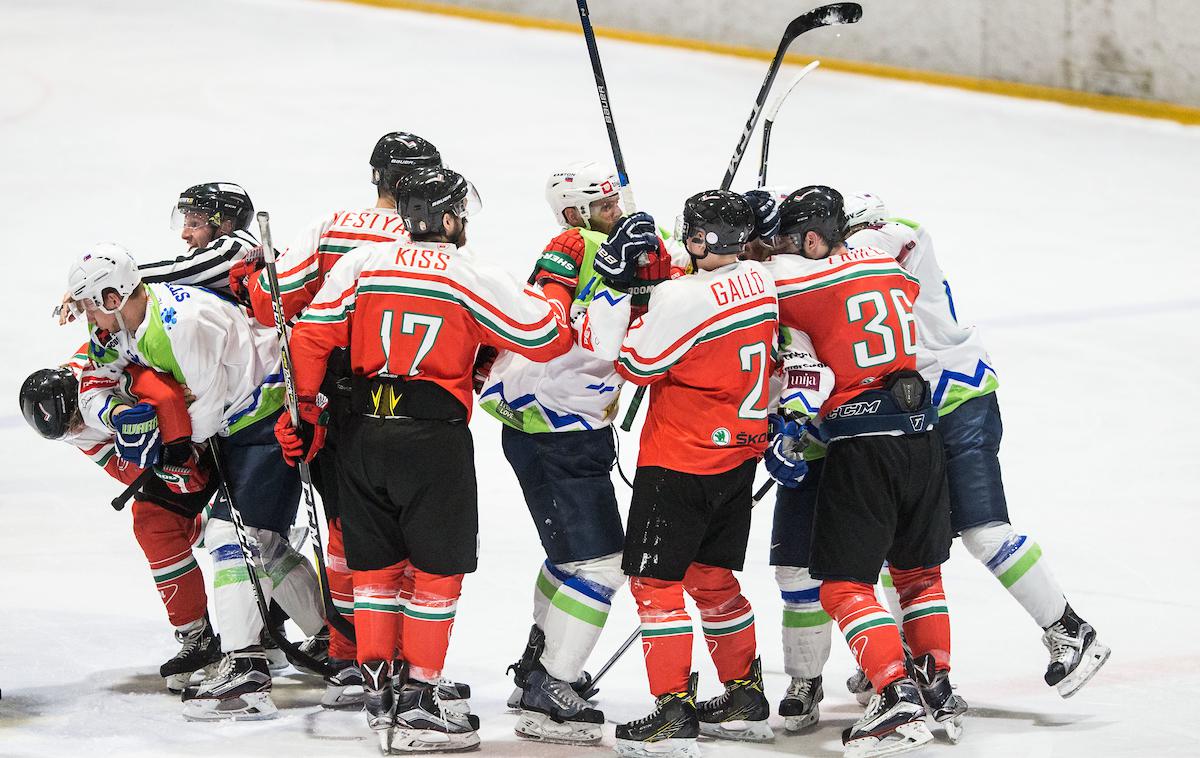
(228,362)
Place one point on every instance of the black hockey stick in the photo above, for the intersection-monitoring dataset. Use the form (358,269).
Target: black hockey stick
(826,15)
(589,37)
(118,502)
(628,643)
(769,121)
(298,657)
(333,617)
(808,439)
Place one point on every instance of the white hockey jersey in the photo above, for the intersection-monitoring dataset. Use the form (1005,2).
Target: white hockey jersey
(951,357)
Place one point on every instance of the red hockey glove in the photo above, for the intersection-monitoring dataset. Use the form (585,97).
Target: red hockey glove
(179,467)
(240,275)
(303,444)
(483,366)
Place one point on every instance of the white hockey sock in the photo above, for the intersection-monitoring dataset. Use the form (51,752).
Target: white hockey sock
(549,579)
(577,614)
(806,626)
(890,596)
(1016,561)
(293,580)
(237,616)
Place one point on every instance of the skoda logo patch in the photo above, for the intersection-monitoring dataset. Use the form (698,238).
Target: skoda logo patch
(720,436)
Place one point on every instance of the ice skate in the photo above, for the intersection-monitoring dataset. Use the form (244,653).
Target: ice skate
(859,685)
(552,711)
(240,690)
(530,660)
(424,726)
(455,697)
(1075,653)
(800,705)
(379,701)
(740,712)
(316,647)
(893,723)
(943,704)
(670,731)
(277,660)
(201,650)
(343,690)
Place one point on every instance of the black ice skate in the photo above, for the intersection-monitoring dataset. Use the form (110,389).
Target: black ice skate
(894,722)
(800,705)
(1075,653)
(530,660)
(317,647)
(859,685)
(344,689)
(670,731)
(740,712)
(424,726)
(379,702)
(277,660)
(201,649)
(552,711)
(944,706)
(240,690)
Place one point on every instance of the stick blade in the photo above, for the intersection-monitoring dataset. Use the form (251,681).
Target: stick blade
(825,15)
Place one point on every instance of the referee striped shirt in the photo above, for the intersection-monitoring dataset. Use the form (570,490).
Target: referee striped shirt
(203,266)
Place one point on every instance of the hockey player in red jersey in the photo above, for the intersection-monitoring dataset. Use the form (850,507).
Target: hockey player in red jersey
(883,487)
(303,266)
(413,316)
(166,509)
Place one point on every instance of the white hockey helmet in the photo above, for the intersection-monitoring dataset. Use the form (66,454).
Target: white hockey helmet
(578,186)
(863,208)
(103,267)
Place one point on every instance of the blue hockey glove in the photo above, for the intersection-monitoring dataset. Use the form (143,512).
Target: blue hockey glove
(784,459)
(618,258)
(766,213)
(137,437)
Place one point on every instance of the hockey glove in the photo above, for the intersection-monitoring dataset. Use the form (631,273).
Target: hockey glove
(483,366)
(304,443)
(137,438)
(240,275)
(619,256)
(766,213)
(179,467)
(784,459)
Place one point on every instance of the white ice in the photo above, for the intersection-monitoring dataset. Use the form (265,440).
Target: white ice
(1068,236)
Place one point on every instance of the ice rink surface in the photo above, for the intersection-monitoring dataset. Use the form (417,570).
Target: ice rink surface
(1060,230)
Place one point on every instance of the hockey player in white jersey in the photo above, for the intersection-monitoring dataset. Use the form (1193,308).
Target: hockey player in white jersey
(954,361)
(232,368)
(214,220)
(558,437)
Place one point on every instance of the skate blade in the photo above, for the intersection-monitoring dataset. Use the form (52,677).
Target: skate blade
(953,729)
(541,728)
(670,748)
(739,731)
(904,738)
(349,698)
(514,700)
(385,739)
(256,706)
(1097,656)
(429,741)
(799,723)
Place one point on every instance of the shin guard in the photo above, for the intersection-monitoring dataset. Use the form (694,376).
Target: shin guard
(237,615)
(549,579)
(666,633)
(577,614)
(341,589)
(1016,562)
(870,631)
(166,538)
(926,616)
(377,609)
(726,618)
(806,625)
(428,620)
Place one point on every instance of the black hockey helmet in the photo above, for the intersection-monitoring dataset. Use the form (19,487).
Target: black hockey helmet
(424,195)
(218,202)
(721,219)
(49,399)
(396,154)
(815,208)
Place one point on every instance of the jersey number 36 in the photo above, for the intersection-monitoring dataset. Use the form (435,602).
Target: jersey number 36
(876,322)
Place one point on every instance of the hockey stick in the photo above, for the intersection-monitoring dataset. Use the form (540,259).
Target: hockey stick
(333,616)
(826,15)
(589,37)
(769,120)
(294,654)
(118,502)
(628,643)
(807,439)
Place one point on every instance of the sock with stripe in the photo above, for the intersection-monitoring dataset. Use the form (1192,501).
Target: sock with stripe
(870,631)
(406,591)
(293,580)
(549,579)
(666,633)
(341,589)
(377,609)
(726,618)
(806,625)
(1016,561)
(925,615)
(577,614)
(166,539)
(235,606)
(428,619)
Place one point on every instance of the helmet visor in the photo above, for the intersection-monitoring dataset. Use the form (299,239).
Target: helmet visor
(191,218)
(469,205)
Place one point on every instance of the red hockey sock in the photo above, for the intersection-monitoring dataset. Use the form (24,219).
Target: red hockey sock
(406,590)
(926,615)
(377,611)
(428,619)
(725,616)
(666,633)
(166,538)
(869,630)
(341,589)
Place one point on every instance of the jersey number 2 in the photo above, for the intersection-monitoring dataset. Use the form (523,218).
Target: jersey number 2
(752,354)
(875,325)
(408,325)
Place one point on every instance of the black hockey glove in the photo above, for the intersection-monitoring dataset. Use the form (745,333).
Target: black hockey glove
(766,213)
(631,238)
